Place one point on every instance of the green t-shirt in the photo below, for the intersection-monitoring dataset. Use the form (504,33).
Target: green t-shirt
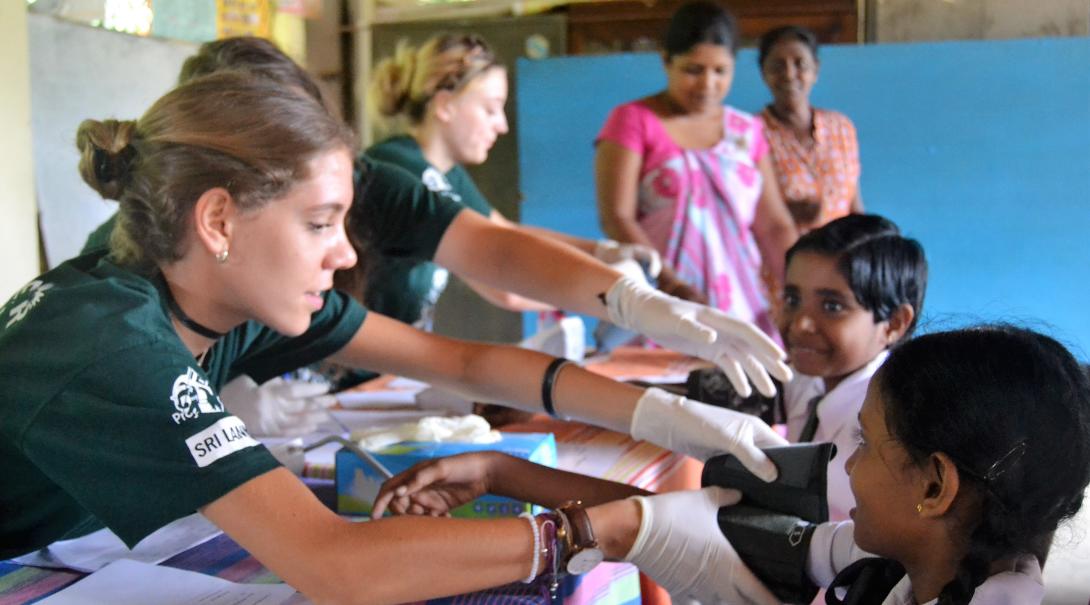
(106,417)
(407,288)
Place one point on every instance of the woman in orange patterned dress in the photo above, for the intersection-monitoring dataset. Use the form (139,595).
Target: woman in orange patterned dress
(815,152)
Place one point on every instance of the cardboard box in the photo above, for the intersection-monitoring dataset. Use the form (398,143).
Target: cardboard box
(358,483)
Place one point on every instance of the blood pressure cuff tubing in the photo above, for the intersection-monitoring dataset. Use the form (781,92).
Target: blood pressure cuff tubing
(772,525)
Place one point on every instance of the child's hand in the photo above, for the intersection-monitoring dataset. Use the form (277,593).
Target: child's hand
(436,487)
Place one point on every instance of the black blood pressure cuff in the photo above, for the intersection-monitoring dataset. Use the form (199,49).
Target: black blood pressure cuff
(772,525)
(710,385)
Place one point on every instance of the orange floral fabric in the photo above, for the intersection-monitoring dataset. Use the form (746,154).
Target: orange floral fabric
(826,172)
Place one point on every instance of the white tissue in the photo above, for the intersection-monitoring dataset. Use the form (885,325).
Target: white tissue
(457,429)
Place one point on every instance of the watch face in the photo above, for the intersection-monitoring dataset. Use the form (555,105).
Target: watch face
(584,561)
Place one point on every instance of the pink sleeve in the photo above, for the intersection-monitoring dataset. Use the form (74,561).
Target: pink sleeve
(760,143)
(625,127)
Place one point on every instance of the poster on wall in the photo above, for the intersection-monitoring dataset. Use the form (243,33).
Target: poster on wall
(308,9)
(243,18)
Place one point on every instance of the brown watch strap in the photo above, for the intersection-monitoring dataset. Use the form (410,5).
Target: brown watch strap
(582,533)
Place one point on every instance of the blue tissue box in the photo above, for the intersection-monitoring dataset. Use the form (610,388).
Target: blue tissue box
(358,483)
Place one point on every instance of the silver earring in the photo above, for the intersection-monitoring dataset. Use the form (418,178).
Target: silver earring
(221,256)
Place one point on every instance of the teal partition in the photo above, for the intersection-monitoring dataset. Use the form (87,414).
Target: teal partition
(981,150)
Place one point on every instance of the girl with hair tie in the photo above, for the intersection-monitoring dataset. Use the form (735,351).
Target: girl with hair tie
(233,193)
(397,222)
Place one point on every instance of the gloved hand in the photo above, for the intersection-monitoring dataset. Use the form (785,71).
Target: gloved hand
(736,346)
(702,431)
(609,252)
(278,408)
(680,546)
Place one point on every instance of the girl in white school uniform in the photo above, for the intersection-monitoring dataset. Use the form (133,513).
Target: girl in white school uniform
(854,288)
(233,192)
(973,446)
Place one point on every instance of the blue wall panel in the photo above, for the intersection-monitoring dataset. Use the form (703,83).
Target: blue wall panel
(981,150)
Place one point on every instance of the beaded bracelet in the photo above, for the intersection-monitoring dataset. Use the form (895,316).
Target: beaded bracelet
(552,554)
(535,558)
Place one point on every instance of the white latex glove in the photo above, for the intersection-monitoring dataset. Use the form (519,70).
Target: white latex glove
(278,408)
(702,431)
(736,346)
(609,252)
(680,547)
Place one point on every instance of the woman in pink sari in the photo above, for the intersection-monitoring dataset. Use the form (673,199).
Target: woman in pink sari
(682,172)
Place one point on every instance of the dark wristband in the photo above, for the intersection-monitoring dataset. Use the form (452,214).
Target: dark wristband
(548,384)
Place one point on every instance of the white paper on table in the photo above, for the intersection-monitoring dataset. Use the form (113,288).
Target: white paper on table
(96,550)
(363,399)
(354,420)
(348,421)
(402,383)
(134,583)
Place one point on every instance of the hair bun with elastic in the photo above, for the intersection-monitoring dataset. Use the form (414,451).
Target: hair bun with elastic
(107,155)
(391,86)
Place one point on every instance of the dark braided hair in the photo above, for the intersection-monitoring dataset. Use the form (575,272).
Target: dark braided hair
(1011,408)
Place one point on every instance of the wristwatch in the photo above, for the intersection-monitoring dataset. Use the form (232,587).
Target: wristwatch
(580,548)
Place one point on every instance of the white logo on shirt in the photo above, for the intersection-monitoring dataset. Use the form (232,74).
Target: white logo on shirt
(435,181)
(36,289)
(192,397)
(226,436)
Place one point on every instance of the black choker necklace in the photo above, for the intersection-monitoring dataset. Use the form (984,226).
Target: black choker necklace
(184,319)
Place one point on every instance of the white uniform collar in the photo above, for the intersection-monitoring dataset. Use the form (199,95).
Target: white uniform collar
(1023,586)
(862,375)
(839,406)
(837,412)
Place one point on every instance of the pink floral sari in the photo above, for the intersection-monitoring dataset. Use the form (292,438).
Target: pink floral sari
(697,206)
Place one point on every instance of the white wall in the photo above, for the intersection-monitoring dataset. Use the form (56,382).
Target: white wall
(919,20)
(18,224)
(80,72)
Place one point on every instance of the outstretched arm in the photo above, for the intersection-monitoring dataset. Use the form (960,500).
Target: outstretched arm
(509,301)
(515,260)
(436,487)
(672,537)
(330,560)
(516,377)
(579,243)
(607,251)
(546,270)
